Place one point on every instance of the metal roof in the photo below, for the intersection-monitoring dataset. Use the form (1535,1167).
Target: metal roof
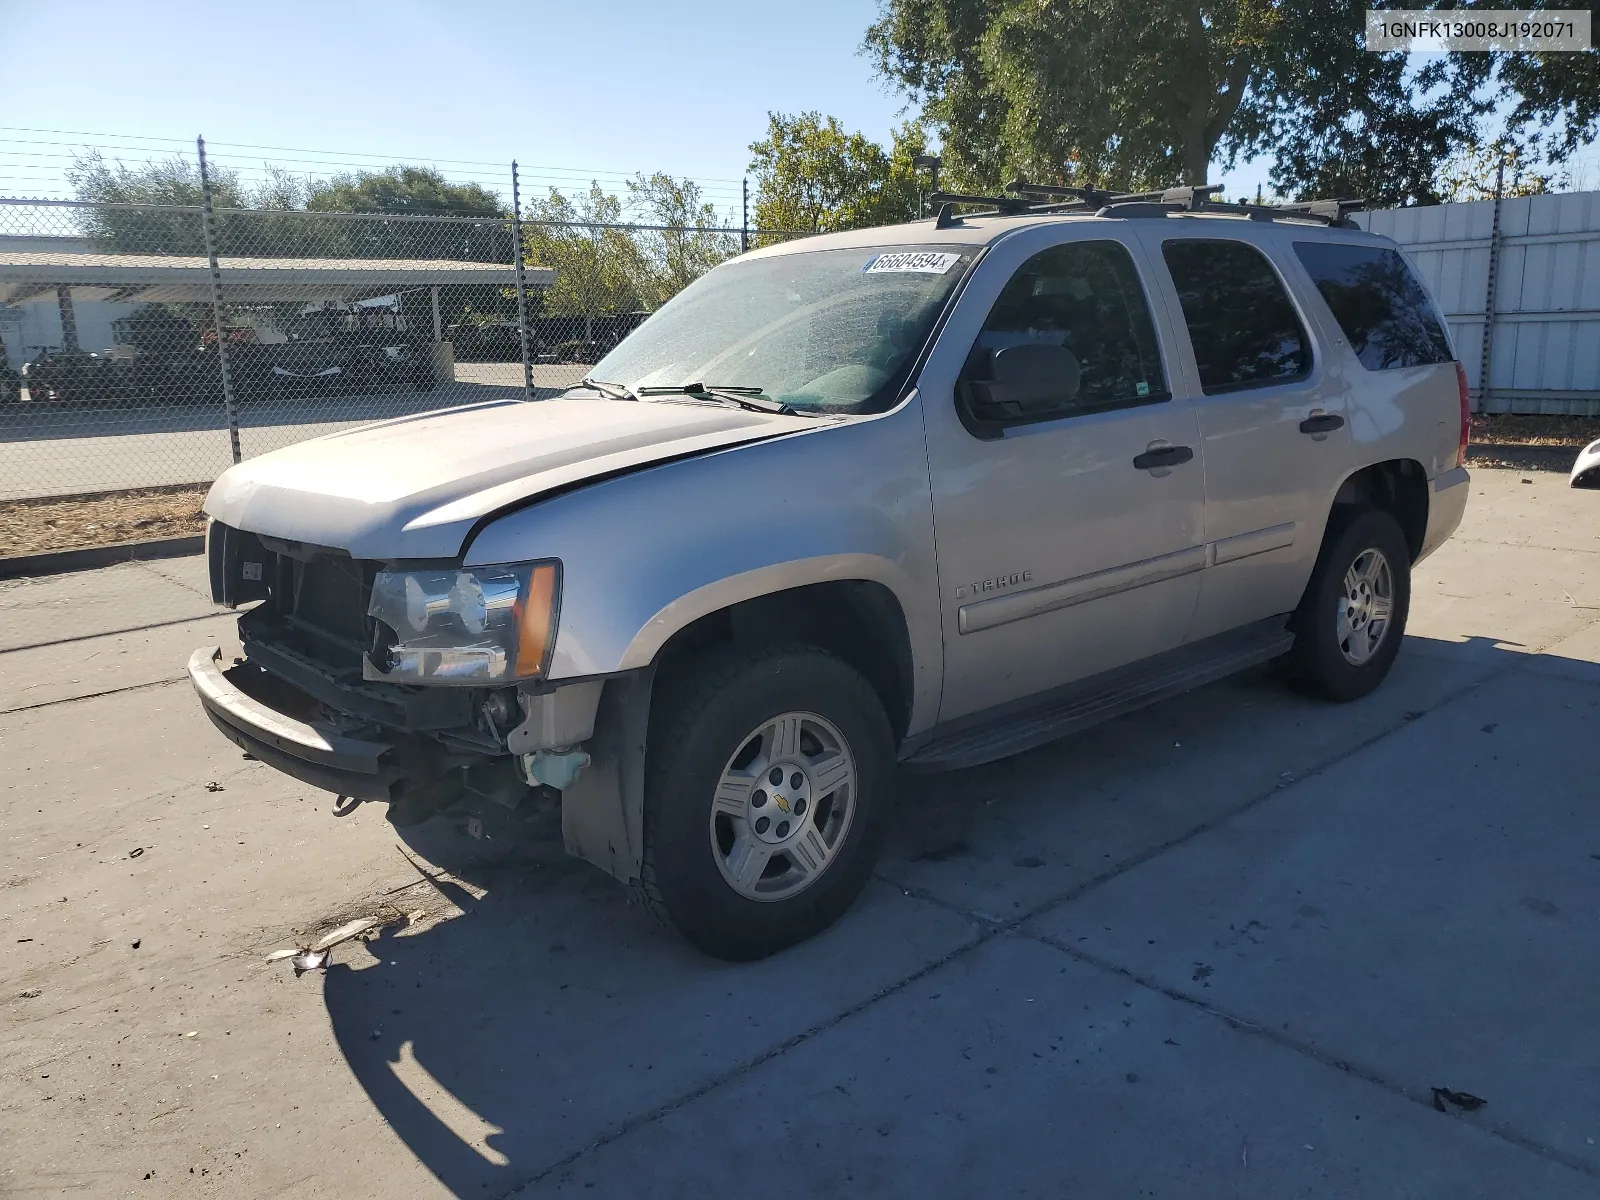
(139,278)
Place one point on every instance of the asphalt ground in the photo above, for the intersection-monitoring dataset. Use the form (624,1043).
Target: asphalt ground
(51,450)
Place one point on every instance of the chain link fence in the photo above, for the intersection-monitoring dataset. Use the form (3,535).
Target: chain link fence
(153,345)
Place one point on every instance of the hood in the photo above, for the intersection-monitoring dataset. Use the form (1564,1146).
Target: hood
(414,487)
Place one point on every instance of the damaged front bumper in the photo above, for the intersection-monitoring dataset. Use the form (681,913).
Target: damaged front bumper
(248,706)
(584,738)
(276,722)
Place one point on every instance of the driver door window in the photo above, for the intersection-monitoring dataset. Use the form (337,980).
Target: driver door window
(1070,334)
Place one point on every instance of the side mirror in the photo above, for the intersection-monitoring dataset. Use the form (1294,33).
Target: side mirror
(1027,381)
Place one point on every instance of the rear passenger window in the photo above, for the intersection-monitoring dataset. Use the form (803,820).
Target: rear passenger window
(1378,302)
(1244,328)
(1070,333)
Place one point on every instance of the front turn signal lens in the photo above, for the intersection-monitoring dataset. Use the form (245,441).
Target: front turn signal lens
(536,621)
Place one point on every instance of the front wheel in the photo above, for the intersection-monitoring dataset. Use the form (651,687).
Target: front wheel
(1352,618)
(769,776)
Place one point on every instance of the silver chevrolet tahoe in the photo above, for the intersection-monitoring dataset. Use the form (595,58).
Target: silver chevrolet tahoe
(916,497)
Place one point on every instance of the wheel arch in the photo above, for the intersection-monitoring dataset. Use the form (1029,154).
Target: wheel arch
(1398,486)
(860,620)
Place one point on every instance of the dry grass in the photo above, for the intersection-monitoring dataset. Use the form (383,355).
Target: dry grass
(73,522)
(1507,429)
(1529,443)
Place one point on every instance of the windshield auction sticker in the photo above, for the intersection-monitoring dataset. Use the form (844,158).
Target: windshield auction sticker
(922,262)
(1447,30)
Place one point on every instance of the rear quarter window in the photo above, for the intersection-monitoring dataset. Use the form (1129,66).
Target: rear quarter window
(1378,302)
(1242,324)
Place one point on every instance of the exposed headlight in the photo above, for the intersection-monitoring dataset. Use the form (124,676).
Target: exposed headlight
(474,626)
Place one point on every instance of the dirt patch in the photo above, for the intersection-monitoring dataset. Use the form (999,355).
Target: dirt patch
(74,522)
(1529,443)
(1510,429)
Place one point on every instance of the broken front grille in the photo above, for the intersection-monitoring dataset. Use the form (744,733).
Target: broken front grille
(330,598)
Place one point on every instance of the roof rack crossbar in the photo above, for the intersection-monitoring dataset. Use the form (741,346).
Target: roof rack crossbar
(1091,197)
(1194,198)
(1191,197)
(1008,205)
(1333,212)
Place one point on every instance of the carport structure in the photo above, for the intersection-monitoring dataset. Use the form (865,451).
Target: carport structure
(158,420)
(67,278)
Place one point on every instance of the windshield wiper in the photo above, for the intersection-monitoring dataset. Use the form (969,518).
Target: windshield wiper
(611,391)
(753,398)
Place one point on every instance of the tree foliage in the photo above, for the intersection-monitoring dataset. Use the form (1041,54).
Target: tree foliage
(402,190)
(161,184)
(1147,93)
(680,237)
(270,219)
(1474,172)
(606,263)
(812,175)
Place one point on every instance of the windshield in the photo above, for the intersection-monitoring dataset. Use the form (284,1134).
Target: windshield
(822,330)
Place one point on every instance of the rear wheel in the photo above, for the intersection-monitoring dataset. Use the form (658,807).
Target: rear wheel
(1351,620)
(766,797)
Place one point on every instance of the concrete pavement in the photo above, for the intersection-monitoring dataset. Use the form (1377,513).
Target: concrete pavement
(56,450)
(1223,947)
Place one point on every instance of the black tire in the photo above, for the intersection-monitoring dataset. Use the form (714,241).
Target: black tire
(702,714)
(1318,664)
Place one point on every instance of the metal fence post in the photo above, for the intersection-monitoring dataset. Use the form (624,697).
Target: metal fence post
(1489,287)
(208,222)
(522,285)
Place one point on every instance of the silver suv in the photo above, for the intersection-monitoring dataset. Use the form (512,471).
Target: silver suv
(921,496)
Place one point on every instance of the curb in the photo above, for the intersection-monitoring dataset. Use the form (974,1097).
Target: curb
(56,562)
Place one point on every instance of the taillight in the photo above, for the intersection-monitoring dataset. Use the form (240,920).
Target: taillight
(1466,414)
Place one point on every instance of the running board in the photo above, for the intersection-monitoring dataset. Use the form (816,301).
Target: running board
(984,737)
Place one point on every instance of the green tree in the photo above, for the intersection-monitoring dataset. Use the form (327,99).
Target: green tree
(687,241)
(418,191)
(1145,93)
(598,266)
(1472,172)
(158,186)
(812,175)
(1128,92)
(403,192)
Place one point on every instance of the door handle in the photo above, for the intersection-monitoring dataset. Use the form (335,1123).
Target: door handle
(1163,456)
(1322,423)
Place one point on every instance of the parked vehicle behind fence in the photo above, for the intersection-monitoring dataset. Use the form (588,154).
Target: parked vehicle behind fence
(908,498)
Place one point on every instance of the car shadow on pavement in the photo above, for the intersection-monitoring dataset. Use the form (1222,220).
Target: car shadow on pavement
(498,1042)
(551,1014)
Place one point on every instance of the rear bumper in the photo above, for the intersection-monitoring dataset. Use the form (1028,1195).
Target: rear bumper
(310,751)
(1445,508)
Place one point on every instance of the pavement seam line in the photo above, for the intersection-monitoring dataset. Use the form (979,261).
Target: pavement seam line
(144,565)
(668,1107)
(1530,546)
(988,930)
(132,687)
(89,637)
(1278,1038)
(1078,891)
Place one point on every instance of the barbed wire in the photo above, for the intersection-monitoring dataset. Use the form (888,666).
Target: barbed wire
(38,161)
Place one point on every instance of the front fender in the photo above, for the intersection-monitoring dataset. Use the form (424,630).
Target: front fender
(645,555)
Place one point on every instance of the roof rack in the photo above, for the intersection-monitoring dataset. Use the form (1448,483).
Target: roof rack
(1105,203)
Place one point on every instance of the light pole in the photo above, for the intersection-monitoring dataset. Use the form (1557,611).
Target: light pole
(930,163)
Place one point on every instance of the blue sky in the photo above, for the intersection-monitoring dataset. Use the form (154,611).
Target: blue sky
(572,90)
